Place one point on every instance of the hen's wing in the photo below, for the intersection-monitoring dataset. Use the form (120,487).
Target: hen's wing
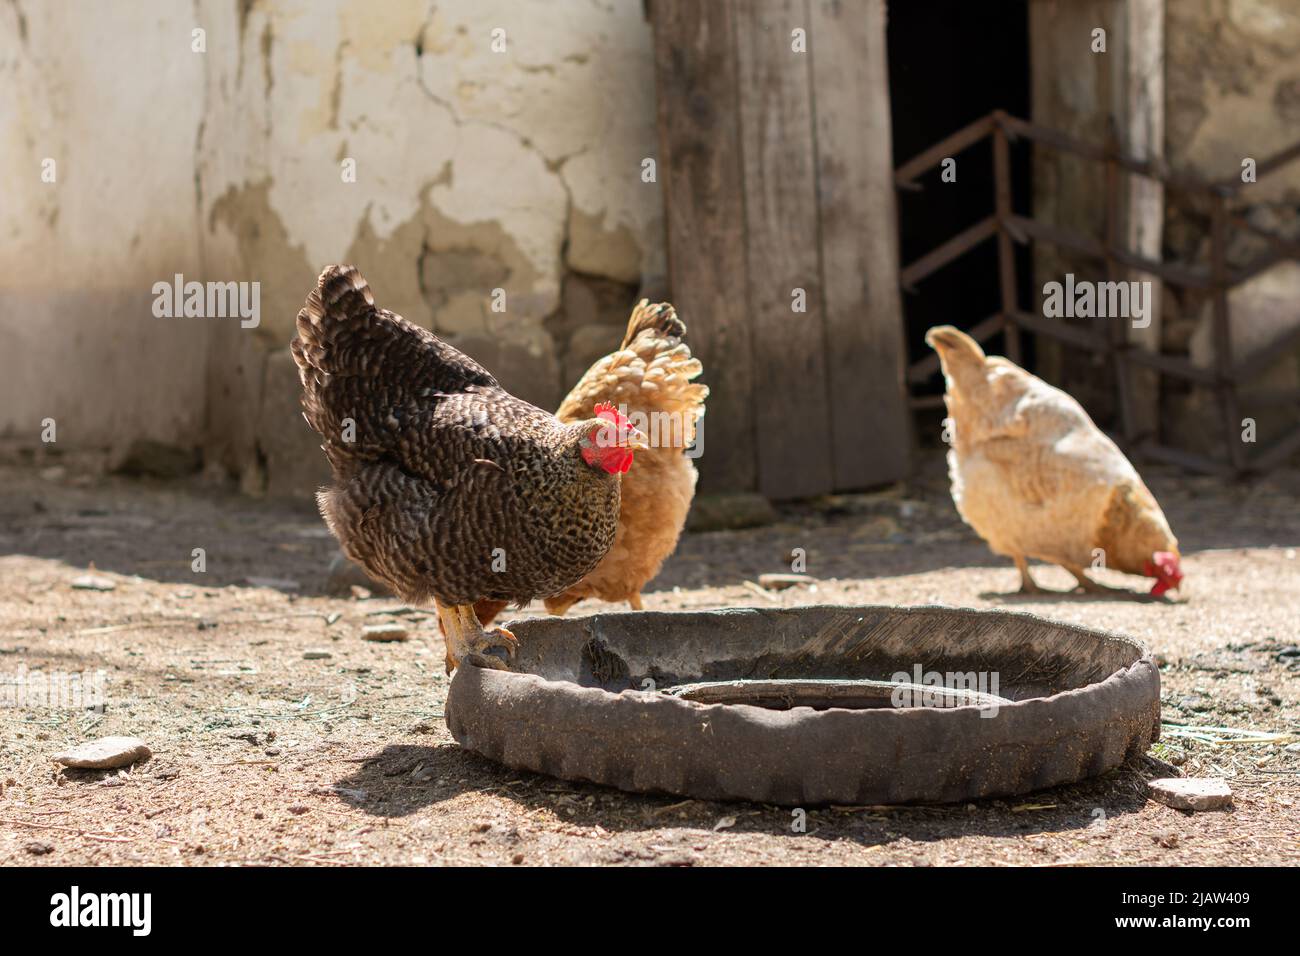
(376,387)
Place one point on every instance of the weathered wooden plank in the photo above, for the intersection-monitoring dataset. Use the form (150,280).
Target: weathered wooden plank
(700,175)
(866,358)
(791,413)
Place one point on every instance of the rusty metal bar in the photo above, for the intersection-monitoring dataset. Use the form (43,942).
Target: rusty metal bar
(938,258)
(1006,252)
(1278,452)
(1081,242)
(951,146)
(1250,367)
(1257,265)
(1173,365)
(1279,159)
(1241,222)
(1058,330)
(1185,459)
(1063,141)
(1274,396)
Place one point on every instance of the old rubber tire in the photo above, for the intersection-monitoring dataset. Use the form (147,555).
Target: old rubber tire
(1083,701)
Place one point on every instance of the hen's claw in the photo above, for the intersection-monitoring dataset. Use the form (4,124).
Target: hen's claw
(486,661)
(467,640)
(488,640)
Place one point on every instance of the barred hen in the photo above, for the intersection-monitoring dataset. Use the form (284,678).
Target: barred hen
(649,378)
(1036,478)
(446,486)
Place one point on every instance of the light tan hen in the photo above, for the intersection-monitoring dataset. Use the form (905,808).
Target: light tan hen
(1036,478)
(650,378)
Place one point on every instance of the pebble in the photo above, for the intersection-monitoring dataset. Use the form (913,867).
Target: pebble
(359,593)
(385,632)
(38,849)
(316,655)
(1191,793)
(105,753)
(91,582)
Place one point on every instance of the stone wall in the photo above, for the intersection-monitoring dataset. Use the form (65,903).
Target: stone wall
(496,145)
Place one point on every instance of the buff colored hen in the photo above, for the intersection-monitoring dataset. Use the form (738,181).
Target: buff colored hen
(1036,478)
(650,380)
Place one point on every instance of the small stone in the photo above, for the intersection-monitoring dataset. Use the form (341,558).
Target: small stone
(359,593)
(316,655)
(385,632)
(298,809)
(517,859)
(36,848)
(105,753)
(1191,793)
(1168,839)
(91,582)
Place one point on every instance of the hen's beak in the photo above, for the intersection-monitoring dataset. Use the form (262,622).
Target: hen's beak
(636,440)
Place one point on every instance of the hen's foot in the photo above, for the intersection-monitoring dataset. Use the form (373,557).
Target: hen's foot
(1093,587)
(468,641)
(1027,584)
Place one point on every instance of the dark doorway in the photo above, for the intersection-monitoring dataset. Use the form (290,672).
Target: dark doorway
(951,62)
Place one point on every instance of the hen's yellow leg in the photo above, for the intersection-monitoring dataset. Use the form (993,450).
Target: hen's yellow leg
(467,640)
(1027,584)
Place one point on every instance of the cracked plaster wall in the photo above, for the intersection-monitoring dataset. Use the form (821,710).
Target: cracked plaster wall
(475,170)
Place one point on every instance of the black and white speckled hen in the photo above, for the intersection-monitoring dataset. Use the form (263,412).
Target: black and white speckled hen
(446,486)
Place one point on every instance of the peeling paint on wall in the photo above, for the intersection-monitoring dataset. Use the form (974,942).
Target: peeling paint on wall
(475,170)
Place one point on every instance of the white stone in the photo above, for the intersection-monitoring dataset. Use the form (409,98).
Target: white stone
(105,753)
(1191,793)
(385,632)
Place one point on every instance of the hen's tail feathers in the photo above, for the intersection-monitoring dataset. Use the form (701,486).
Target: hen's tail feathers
(652,372)
(341,294)
(660,318)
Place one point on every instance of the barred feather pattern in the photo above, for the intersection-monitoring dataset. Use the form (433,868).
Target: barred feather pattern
(449,487)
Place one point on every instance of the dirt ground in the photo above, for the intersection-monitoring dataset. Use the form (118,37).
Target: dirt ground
(281,737)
